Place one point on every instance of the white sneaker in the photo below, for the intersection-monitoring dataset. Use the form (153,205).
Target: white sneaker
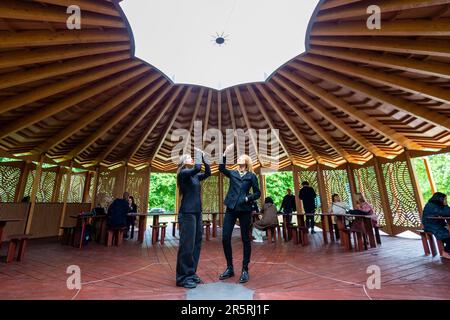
(258,240)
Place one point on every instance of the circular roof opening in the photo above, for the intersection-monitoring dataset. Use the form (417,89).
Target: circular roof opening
(251,38)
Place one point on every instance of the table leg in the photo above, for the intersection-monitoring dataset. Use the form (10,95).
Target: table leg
(331,228)
(214,225)
(83,228)
(323,221)
(369,230)
(156,223)
(142,227)
(2,227)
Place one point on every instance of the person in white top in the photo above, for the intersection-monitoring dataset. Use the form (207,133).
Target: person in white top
(337,207)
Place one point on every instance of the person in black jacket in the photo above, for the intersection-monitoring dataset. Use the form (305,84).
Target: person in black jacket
(131,220)
(117,212)
(190,218)
(288,205)
(308,196)
(239,206)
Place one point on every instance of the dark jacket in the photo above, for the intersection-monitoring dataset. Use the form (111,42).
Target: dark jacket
(240,188)
(190,187)
(436,227)
(288,204)
(308,196)
(117,213)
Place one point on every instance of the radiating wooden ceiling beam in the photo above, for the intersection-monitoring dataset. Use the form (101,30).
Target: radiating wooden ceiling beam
(135,122)
(345,107)
(269,121)
(329,4)
(172,120)
(30,11)
(360,9)
(404,28)
(197,106)
(312,124)
(432,47)
(88,5)
(396,102)
(428,68)
(85,120)
(392,80)
(147,132)
(338,123)
(137,101)
(41,38)
(48,90)
(300,137)
(56,69)
(72,99)
(22,57)
(208,109)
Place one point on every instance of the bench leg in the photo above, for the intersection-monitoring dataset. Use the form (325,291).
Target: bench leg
(440,247)
(304,234)
(295,236)
(432,244)
(11,251)
(269,235)
(109,241)
(155,232)
(22,247)
(207,233)
(174,226)
(426,248)
(119,238)
(163,235)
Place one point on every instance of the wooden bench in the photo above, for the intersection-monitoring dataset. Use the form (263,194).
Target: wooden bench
(429,245)
(163,227)
(115,236)
(272,232)
(15,241)
(299,234)
(207,226)
(359,239)
(175,225)
(67,236)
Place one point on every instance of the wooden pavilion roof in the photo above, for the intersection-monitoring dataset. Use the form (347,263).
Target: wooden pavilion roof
(355,93)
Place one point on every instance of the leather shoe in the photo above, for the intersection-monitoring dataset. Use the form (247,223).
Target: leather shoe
(196,279)
(229,272)
(244,277)
(188,284)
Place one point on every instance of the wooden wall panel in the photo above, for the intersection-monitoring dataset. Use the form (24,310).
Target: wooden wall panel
(14,211)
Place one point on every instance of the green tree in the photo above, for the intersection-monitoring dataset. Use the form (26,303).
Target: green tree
(276,185)
(162,191)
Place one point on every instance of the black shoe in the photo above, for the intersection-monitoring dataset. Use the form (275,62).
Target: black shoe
(244,276)
(188,284)
(196,279)
(313,232)
(227,274)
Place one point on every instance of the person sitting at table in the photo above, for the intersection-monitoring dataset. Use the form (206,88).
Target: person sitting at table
(364,208)
(308,195)
(117,212)
(288,205)
(437,206)
(268,217)
(131,220)
(337,207)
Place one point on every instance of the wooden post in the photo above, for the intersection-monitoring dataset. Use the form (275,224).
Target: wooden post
(351,180)
(417,193)
(87,186)
(262,186)
(57,188)
(426,162)
(65,197)
(390,228)
(34,191)
(23,181)
(322,189)
(298,203)
(146,195)
(94,189)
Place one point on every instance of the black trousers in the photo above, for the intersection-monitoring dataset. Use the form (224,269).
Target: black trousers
(446,245)
(130,225)
(288,215)
(245,220)
(310,218)
(191,231)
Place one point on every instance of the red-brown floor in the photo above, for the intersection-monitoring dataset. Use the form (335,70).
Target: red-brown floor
(278,271)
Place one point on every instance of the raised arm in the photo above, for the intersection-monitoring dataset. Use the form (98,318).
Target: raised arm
(207,173)
(195,169)
(222,167)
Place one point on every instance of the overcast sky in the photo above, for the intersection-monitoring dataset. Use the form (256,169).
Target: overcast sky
(177,37)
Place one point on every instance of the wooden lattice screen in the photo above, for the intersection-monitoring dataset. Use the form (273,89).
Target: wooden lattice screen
(46,184)
(405,211)
(336,181)
(311,177)
(76,190)
(210,194)
(106,186)
(366,183)
(9,181)
(135,186)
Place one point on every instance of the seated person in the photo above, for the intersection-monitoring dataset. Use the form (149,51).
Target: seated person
(338,207)
(364,208)
(117,212)
(437,206)
(268,218)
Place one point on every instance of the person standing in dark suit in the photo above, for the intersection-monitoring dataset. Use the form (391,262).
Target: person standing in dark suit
(190,218)
(239,206)
(118,211)
(288,205)
(308,197)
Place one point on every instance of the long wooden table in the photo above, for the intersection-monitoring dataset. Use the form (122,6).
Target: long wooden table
(3,223)
(82,221)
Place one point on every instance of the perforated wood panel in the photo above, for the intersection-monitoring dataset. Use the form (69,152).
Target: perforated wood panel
(77,183)
(210,194)
(336,181)
(9,181)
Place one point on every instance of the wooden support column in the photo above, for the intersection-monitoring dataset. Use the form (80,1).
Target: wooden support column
(417,193)
(390,228)
(123,182)
(298,203)
(426,162)
(351,181)
(34,191)
(94,189)
(146,195)
(20,193)
(65,196)
(262,186)
(57,188)
(87,186)
(322,189)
